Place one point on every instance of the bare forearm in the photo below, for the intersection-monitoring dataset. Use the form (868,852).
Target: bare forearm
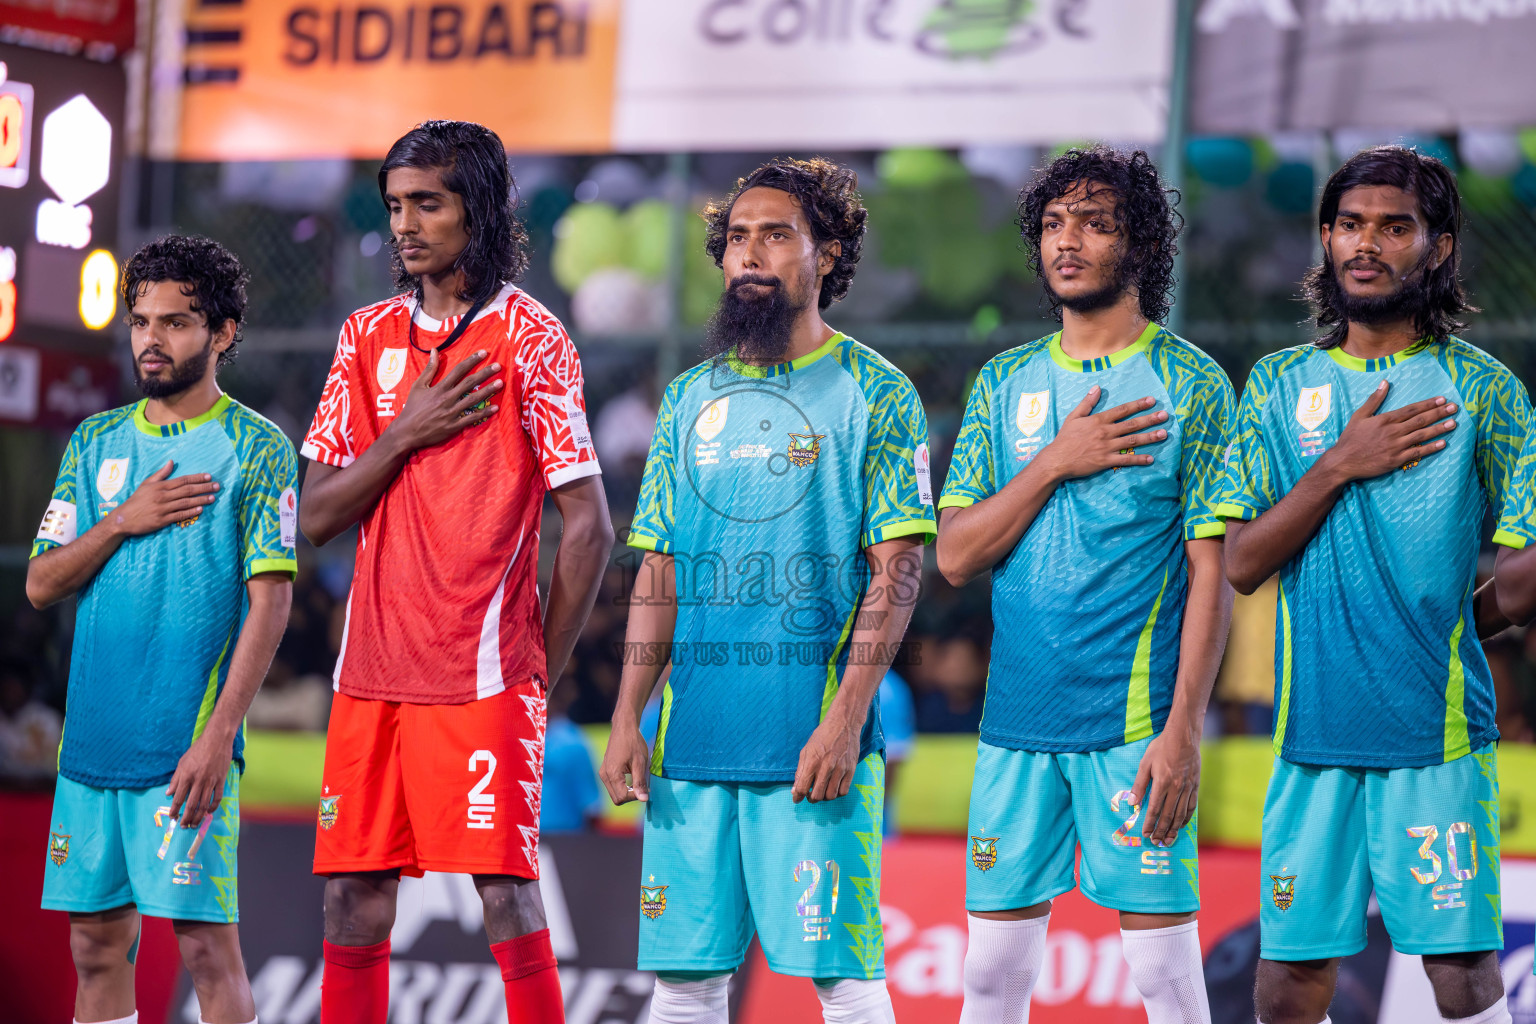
(578,571)
(54,575)
(334,499)
(648,637)
(1203,639)
(1257,550)
(271,597)
(976,538)
(882,621)
(1514,582)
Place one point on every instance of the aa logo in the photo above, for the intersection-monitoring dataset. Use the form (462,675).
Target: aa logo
(653,900)
(1283,891)
(984,852)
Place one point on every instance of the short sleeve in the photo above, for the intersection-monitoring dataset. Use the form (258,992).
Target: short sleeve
(554,409)
(651,529)
(1206,427)
(1248,487)
(1506,460)
(60,523)
(898,489)
(332,438)
(970,478)
(269,507)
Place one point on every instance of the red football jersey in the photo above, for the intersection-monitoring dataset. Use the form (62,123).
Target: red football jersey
(444,606)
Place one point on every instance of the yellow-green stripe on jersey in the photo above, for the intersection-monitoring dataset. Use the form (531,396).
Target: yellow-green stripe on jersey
(766,485)
(1377,661)
(1087,609)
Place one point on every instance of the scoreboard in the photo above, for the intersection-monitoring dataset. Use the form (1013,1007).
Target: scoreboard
(61,144)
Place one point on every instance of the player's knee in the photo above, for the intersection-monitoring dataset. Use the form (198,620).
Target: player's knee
(1465,984)
(1292,992)
(207,957)
(513,907)
(97,951)
(358,912)
(854,1001)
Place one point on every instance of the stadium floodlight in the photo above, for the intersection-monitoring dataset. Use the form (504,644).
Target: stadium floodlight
(77,151)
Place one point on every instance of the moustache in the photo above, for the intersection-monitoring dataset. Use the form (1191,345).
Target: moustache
(746,279)
(1367,263)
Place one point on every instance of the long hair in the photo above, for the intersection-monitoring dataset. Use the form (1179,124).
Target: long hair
(1431,183)
(209,274)
(473,164)
(1149,224)
(829,195)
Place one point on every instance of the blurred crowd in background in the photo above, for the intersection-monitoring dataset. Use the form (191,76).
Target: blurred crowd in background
(942,286)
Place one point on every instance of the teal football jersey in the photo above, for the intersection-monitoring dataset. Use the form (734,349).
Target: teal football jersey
(1377,661)
(1087,608)
(765,485)
(155,628)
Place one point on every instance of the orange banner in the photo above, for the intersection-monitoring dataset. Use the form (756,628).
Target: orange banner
(268,80)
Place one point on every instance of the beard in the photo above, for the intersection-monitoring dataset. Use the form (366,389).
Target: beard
(177,378)
(1408,301)
(758,328)
(1102,297)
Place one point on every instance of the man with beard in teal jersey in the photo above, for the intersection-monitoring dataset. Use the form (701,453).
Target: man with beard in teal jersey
(783,512)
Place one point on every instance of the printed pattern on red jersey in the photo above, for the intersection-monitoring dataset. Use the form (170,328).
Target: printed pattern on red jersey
(444,605)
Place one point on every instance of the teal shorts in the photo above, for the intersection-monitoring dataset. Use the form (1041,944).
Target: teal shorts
(724,858)
(111,847)
(1031,811)
(1425,839)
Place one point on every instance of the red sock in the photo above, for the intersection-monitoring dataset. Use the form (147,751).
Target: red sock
(533,985)
(355,988)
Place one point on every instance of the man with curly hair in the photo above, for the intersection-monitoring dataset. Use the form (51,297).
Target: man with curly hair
(434,753)
(783,513)
(1364,466)
(1085,480)
(183,585)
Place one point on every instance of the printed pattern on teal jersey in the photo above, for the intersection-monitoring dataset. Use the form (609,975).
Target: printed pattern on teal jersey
(1377,661)
(766,484)
(1517,519)
(1088,607)
(156,627)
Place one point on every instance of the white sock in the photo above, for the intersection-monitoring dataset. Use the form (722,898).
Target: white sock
(1165,965)
(1001,965)
(1498,1013)
(691,1002)
(854,1001)
(132,1018)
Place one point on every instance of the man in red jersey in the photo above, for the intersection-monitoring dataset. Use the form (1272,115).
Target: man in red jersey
(434,755)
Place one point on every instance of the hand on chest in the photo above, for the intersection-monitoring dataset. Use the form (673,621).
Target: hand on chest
(1030,420)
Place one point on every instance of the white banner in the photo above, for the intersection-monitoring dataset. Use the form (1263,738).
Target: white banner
(851,74)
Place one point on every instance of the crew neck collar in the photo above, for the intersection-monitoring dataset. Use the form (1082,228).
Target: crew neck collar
(777,369)
(180,426)
(1349,362)
(1066,362)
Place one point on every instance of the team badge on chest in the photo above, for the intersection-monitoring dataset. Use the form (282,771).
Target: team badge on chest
(391,368)
(804,448)
(1033,409)
(1313,406)
(111,477)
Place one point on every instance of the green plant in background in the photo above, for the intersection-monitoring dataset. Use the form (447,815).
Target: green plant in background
(928,214)
(593,236)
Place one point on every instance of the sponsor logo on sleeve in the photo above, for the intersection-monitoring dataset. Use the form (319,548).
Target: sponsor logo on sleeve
(924,475)
(58,522)
(288,516)
(576,423)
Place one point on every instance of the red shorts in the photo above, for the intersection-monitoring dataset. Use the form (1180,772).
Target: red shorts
(432,787)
